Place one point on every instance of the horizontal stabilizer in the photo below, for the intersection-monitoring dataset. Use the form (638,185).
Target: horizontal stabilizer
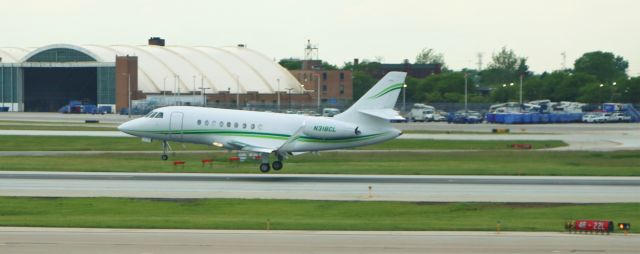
(386,113)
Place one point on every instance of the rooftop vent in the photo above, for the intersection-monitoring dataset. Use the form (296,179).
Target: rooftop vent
(156,41)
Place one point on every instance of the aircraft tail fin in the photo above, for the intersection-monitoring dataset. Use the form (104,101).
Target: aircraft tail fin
(379,100)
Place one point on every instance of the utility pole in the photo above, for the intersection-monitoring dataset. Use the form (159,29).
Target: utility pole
(289,91)
(129,89)
(318,77)
(203,89)
(466,75)
(193,97)
(2,81)
(521,77)
(278,93)
(237,91)
(179,100)
(404,96)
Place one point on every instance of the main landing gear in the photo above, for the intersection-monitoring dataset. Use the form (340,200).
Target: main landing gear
(276,165)
(165,147)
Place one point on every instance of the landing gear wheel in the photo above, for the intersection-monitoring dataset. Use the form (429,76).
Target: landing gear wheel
(264,167)
(164,157)
(277,165)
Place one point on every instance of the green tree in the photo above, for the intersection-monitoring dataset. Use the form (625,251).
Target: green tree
(362,82)
(291,64)
(505,59)
(505,67)
(605,66)
(430,56)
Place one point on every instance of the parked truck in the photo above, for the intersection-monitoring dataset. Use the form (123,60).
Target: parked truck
(422,113)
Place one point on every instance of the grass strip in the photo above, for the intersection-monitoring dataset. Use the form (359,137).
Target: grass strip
(301,214)
(537,163)
(71,143)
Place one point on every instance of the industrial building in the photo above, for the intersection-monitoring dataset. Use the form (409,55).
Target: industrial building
(47,78)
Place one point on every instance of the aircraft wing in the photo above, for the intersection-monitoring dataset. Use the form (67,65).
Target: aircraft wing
(251,148)
(292,138)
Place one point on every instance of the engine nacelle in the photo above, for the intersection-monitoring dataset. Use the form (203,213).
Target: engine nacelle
(329,129)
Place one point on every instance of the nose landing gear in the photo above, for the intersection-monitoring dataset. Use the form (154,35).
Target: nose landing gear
(165,147)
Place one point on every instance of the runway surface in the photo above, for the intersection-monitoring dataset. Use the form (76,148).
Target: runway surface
(627,138)
(77,240)
(324,187)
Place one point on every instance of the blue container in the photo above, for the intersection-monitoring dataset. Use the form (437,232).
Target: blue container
(544,118)
(491,118)
(609,107)
(500,118)
(535,118)
(518,118)
(526,118)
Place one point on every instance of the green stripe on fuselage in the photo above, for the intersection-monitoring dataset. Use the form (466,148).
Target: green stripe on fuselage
(268,135)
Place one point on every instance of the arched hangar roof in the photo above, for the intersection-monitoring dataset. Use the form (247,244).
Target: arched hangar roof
(164,68)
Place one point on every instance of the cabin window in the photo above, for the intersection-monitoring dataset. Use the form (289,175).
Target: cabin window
(244,125)
(206,122)
(235,125)
(228,124)
(221,124)
(253,126)
(199,122)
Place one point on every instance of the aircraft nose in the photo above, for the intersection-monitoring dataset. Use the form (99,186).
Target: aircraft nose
(125,127)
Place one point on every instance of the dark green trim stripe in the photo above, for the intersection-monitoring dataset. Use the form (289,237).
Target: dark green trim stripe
(387,90)
(268,135)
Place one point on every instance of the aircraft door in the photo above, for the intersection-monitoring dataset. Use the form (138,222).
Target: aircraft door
(175,125)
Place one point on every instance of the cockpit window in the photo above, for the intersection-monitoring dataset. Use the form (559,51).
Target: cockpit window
(159,115)
(149,114)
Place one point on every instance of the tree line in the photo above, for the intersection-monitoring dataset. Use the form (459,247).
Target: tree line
(595,77)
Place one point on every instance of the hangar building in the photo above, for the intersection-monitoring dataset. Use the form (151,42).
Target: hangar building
(46,78)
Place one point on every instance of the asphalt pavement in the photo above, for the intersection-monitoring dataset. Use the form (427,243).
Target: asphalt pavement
(324,187)
(80,240)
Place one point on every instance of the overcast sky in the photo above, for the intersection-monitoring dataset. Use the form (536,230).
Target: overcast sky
(343,29)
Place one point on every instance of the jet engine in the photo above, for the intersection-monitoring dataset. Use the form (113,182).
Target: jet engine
(329,129)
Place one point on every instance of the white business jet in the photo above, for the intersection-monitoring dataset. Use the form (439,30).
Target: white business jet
(366,122)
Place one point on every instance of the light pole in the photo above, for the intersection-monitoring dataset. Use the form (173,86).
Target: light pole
(237,91)
(128,93)
(465,92)
(289,91)
(164,90)
(193,97)
(204,101)
(613,90)
(521,77)
(505,85)
(179,101)
(318,77)
(278,93)
(2,89)
(404,96)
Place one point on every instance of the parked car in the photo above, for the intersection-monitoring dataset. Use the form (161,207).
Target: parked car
(440,116)
(594,118)
(330,112)
(621,117)
(465,117)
